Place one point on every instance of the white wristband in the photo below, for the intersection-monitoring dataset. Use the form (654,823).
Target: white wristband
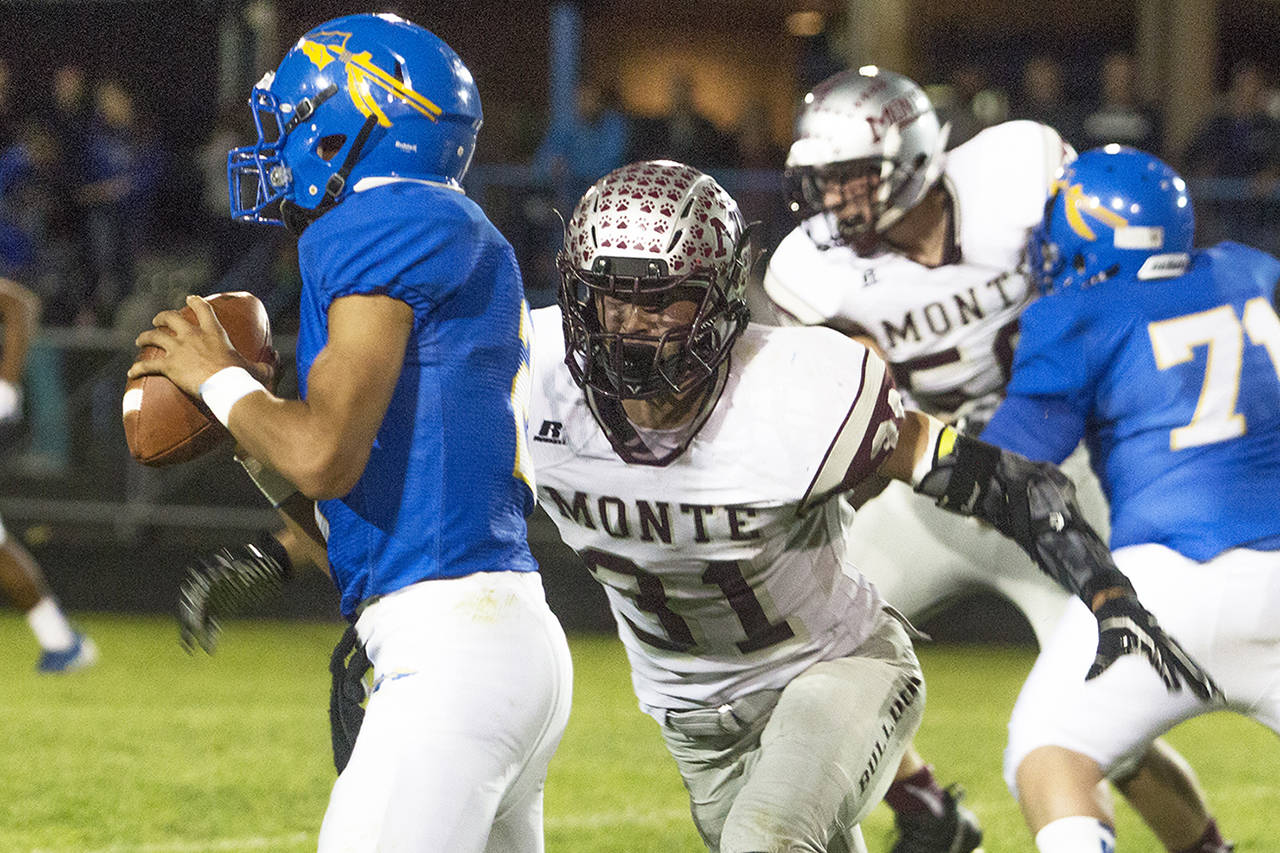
(224,389)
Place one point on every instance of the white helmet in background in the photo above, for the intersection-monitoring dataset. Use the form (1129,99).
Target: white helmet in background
(868,125)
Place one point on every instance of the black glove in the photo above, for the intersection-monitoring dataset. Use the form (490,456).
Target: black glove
(347,666)
(1125,627)
(226,583)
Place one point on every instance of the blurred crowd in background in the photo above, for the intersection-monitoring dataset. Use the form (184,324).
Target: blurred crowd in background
(107,221)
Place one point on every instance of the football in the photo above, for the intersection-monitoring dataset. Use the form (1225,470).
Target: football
(162,424)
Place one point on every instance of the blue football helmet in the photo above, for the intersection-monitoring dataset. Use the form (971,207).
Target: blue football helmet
(362,96)
(1112,212)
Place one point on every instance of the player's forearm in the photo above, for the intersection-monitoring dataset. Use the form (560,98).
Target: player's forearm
(302,537)
(20,310)
(17,339)
(306,446)
(1030,502)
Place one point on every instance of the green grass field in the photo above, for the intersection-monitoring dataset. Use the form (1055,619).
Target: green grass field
(153,751)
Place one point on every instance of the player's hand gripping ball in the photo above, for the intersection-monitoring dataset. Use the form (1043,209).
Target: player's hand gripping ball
(162,424)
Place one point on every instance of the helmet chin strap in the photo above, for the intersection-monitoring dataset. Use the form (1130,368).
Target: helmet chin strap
(338,180)
(296,218)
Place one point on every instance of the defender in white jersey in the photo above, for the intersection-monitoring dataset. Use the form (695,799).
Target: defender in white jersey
(696,463)
(918,254)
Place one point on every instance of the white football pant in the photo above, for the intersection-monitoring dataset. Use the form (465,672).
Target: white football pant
(1225,613)
(799,768)
(472,690)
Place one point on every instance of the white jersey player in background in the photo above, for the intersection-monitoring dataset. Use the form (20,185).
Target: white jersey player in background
(916,253)
(696,464)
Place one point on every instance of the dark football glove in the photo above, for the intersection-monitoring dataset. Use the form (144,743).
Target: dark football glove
(1125,627)
(347,666)
(226,583)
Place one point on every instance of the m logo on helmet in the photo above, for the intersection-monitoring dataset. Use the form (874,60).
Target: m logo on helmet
(1076,206)
(897,111)
(363,77)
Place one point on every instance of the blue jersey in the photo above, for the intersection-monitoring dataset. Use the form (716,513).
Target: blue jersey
(447,486)
(1175,386)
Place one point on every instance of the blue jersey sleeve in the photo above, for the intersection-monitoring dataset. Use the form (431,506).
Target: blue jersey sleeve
(1051,358)
(1050,393)
(1045,429)
(419,260)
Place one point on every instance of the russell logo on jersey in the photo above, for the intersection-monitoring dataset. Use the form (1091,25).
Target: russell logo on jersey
(550,432)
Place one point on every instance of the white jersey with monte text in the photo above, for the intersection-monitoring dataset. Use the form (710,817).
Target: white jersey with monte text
(725,569)
(949,330)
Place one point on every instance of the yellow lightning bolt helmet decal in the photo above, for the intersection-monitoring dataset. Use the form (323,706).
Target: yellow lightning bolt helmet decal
(1077,205)
(363,76)
(316,53)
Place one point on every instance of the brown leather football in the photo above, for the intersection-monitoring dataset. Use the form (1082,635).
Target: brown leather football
(162,424)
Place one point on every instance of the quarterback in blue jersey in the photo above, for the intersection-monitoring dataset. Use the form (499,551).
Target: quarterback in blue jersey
(410,435)
(1166,361)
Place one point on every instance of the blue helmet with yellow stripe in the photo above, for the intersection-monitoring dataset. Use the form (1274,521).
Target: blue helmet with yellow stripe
(362,96)
(1113,212)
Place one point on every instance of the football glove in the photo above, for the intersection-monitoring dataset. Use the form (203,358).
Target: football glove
(226,583)
(347,667)
(1125,627)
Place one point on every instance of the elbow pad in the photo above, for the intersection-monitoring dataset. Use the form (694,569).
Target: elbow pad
(1033,503)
